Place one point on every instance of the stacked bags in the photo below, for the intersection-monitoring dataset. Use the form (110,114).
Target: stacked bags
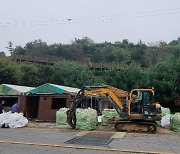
(86,119)
(12,120)
(175,122)
(165,121)
(61,116)
(109,114)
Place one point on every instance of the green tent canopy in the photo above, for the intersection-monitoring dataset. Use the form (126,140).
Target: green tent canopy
(8,89)
(49,88)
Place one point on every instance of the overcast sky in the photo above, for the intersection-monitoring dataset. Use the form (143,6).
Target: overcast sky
(61,21)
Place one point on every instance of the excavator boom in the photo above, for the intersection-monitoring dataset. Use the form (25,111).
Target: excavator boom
(107,91)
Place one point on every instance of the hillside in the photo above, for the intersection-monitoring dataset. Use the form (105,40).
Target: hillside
(129,66)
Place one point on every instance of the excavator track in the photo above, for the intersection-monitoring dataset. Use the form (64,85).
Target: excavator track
(134,126)
(123,125)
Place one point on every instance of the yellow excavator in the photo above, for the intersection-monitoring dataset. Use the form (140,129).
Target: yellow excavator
(138,112)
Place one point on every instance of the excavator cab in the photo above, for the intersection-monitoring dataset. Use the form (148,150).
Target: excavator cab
(142,105)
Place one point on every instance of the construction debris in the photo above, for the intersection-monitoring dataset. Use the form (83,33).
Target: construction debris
(165,121)
(109,115)
(61,116)
(175,122)
(86,119)
(12,120)
(165,111)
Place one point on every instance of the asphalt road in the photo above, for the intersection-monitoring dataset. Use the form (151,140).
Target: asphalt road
(47,141)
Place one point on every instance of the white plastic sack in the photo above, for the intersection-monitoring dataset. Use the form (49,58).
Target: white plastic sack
(100,118)
(13,120)
(165,121)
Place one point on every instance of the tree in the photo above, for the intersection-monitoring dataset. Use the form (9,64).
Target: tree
(137,55)
(72,74)
(9,72)
(29,75)
(2,54)
(45,74)
(162,77)
(37,47)
(127,78)
(19,51)
(175,42)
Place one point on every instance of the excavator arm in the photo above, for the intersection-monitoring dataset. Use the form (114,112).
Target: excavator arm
(108,91)
(105,91)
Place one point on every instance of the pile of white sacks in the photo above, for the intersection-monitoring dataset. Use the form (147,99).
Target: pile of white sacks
(12,120)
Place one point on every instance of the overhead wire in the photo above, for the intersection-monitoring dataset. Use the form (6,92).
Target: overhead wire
(127,16)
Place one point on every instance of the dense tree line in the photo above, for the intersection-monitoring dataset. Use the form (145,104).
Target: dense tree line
(86,50)
(142,66)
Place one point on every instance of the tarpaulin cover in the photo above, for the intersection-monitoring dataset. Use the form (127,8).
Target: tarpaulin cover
(108,114)
(4,89)
(86,119)
(13,120)
(165,121)
(49,88)
(175,122)
(8,89)
(61,116)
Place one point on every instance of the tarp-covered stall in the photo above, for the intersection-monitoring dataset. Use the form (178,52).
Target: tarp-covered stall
(43,102)
(8,89)
(12,94)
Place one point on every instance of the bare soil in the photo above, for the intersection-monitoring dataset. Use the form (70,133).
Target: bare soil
(52,125)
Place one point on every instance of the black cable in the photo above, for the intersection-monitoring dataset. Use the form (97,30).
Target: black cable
(92,19)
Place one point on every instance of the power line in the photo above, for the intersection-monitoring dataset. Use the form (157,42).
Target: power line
(127,16)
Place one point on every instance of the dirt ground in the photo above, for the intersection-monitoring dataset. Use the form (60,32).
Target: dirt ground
(52,125)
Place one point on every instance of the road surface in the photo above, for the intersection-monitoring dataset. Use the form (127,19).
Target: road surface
(50,141)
